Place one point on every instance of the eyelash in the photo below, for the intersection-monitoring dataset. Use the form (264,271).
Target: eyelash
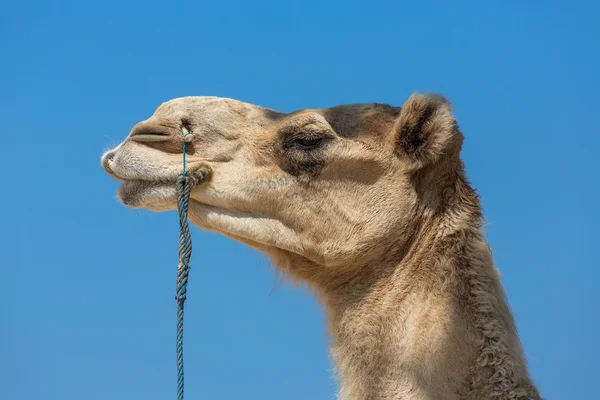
(308,142)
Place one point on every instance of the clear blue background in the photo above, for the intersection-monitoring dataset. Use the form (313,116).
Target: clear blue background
(87,286)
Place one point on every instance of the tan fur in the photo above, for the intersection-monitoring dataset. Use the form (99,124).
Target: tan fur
(368,205)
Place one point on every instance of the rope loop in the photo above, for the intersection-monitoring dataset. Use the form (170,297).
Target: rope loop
(184,185)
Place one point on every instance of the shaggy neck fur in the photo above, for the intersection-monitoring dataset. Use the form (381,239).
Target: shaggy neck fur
(429,323)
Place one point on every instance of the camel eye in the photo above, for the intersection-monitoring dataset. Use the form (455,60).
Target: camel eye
(308,143)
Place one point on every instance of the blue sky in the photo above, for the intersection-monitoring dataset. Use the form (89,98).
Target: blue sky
(87,285)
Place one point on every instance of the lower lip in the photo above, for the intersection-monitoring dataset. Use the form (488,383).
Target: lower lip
(139,185)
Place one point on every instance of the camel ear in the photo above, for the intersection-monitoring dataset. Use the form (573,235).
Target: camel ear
(425,129)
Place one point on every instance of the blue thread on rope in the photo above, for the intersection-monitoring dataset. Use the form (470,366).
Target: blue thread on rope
(185,251)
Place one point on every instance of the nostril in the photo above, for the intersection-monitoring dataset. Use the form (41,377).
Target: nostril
(150,133)
(149,136)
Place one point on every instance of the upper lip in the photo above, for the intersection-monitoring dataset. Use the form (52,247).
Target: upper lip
(106,162)
(168,177)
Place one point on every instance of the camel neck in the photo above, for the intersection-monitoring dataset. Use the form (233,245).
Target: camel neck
(429,327)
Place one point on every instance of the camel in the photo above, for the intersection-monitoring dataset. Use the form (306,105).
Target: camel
(369,206)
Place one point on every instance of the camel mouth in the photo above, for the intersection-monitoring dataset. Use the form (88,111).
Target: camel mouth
(140,182)
(138,191)
(155,194)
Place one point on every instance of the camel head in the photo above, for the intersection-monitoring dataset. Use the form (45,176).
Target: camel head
(321,191)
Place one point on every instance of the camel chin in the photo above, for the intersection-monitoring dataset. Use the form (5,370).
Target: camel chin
(154,196)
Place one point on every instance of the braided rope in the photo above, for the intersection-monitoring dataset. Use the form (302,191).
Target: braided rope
(183,186)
